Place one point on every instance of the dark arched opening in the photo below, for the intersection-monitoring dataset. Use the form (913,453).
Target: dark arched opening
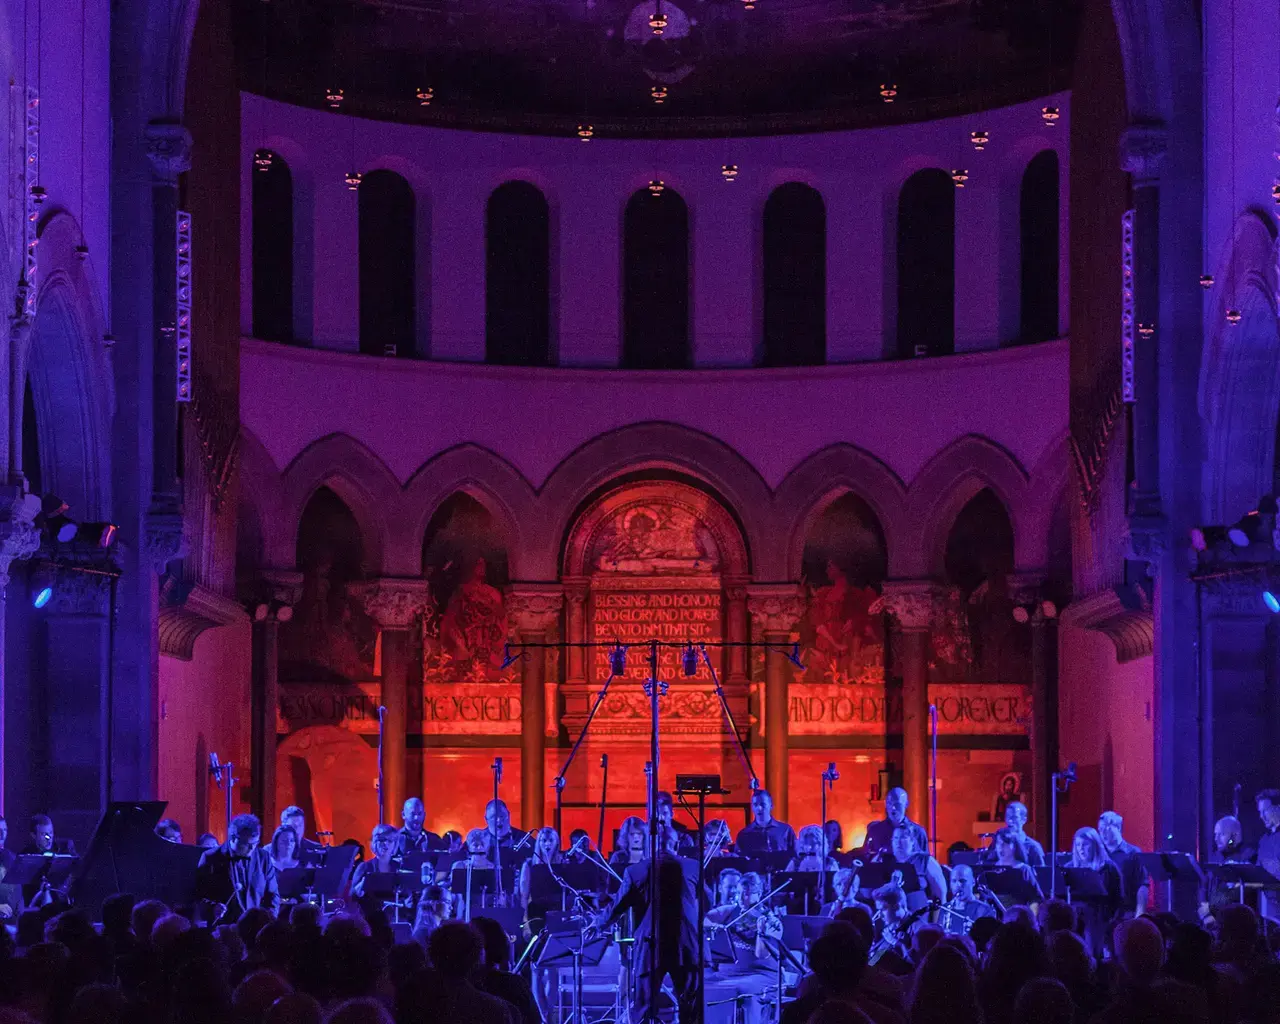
(795,277)
(1038,235)
(388,312)
(927,265)
(272,248)
(655,282)
(517,298)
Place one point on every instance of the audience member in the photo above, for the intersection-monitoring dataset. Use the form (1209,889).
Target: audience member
(1044,1001)
(945,989)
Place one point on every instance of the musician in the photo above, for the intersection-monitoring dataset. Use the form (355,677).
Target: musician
(765,833)
(238,875)
(433,908)
(808,852)
(384,844)
(750,928)
(497,819)
(1015,820)
(1268,804)
(1133,876)
(284,849)
(43,842)
(7,857)
(169,830)
(452,841)
(835,837)
(546,854)
(846,884)
(1228,843)
(965,906)
(295,818)
(686,841)
(1088,852)
(412,837)
(479,845)
(632,840)
(717,838)
(893,932)
(579,847)
(902,850)
(1009,853)
(675,946)
(728,895)
(880,833)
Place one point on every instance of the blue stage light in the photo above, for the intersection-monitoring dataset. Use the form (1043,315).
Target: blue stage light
(43,597)
(1272,603)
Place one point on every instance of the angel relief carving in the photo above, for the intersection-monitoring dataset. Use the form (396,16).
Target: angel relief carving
(842,632)
(655,538)
(464,643)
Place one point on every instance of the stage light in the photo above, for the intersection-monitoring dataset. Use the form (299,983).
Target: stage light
(1269,599)
(42,581)
(1206,281)
(54,521)
(1205,537)
(284,613)
(42,597)
(1256,525)
(1048,609)
(689,660)
(98,535)
(618,660)
(1021,615)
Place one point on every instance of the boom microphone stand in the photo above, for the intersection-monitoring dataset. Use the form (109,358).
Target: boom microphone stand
(617,666)
(1061,783)
(500,897)
(829,778)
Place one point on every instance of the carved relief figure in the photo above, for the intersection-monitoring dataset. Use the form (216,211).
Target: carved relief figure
(474,626)
(655,539)
(843,631)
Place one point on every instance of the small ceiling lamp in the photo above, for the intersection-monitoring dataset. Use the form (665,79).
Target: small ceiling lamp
(263,159)
(82,252)
(888,91)
(1146,330)
(585,131)
(334,98)
(1050,115)
(729,171)
(979,140)
(353,180)
(39,194)
(658,22)
(1275,192)
(1206,281)
(959,176)
(425,95)
(1234,317)
(659,94)
(748,5)
(657,186)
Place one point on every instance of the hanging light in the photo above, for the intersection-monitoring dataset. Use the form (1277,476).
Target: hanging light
(1050,115)
(263,159)
(888,90)
(658,22)
(585,131)
(959,176)
(1275,192)
(1146,330)
(1206,281)
(659,94)
(657,186)
(979,140)
(729,171)
(39,194)
(333,97)
(1234,317)
(748,5)
(353,180)
(425,95)
(82,252)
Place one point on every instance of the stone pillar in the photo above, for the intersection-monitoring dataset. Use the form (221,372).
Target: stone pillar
(912,603)
(1028,591)
(575,596)
(19,539)
(534,610)
(395,604)
(278,593)
(736,630)
(775,610)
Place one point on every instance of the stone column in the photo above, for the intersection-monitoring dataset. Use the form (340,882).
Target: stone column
(395,604)
(736,630)
(278,592)
(775,610)
(575,596)
(534,610)
(19,539)
(1028,591)
(912,603)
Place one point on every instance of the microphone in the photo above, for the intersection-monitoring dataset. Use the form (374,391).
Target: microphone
(527,836)
(382,711)
(831,775)
(1069,775)
(577,843)
(509,659)
(497,768)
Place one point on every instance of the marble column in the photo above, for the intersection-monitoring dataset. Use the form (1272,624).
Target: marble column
(736,629)
(395,604)
(575,596)
(912,604)
(19,540)
(775,610)
(534,610)
(277,593)
(1028,591)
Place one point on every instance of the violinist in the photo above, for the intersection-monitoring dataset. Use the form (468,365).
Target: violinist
(903,851)
(965,906)
(728,895)
(718,839)
(750,927)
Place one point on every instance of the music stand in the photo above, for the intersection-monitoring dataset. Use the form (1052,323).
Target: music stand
(586,879)
(799,930)
(808,889)
(1008,882)
(873,876)
(567,948)
(1173,868)
(511,918)
(1084,884)
(293,882)
(1244,876)
(717,864)
(392,889)
(974,858)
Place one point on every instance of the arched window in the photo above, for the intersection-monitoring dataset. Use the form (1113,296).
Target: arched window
(388,312)
(1038,231)
(927,265)
(655,282)
(272,249)
(795,277)
(517,296)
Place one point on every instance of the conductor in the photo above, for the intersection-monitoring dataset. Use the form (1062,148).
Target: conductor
(676,952)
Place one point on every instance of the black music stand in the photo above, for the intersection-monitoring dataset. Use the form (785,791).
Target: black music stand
(567,949)
(873,876)
(391,889)
(717,864)
(974,858)
(294,882)
(809,890)
(1009,884)
(1084,884)
(1244,876)
(798,930)
(720,949)
(483,883)
(1175,869)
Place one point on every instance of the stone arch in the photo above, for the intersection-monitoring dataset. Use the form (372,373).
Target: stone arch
(355,475)
(490,480)
(1051,485)
(823,477)
(66,364)
(946,484)
(669,447)
(262,497)
(1240,376)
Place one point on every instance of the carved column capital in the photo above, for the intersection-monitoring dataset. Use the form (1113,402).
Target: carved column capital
(166,538)
(735,587)
(775,607)
(1142,148)
(1026,587)
(284,586)
(1147,539)
(575,590)
(77,591)
(534,608)
(19,537)
(913,603)
(393,603)
(169,150)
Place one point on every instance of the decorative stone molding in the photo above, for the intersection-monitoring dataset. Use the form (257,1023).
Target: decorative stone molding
(1147,539)
(775,607)
(169,150)
(180,625)
(1234,597)
(19,538)
(393,603)
(1026,587)
(1122,614)
(534,608)
(275,586)
(1142,148)
(166,539)
(913,603)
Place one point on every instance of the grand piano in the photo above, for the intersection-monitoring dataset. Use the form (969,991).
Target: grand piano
(126,855)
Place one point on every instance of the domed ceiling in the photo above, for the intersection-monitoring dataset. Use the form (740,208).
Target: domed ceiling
(658,68)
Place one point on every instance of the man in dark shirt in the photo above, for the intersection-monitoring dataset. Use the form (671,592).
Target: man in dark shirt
(765,834)
(43,841)
(238,875)
(686,841)
(413,838)
(880,833)
(1133,877)
(495,976)
(295,818)
(1268,802)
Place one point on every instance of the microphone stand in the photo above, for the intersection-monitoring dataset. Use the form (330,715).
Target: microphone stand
(728,715)
(382,789)
(500,895)
(224,778)
(829,778)
(1061,781)
(604,796)
(559,782)
(933,781)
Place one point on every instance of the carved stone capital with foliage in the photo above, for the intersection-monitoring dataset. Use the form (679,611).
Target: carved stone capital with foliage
(775,608)
(393,603)
(169,150)
(534,608)
(1142,148)
(19,537)
(913,603)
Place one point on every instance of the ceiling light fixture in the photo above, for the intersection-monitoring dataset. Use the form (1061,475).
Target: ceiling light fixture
(353,180)
(658,22)
(729,171)
(888,90)
(585,131)
(334,98)
(1206,281)
(959,176)
(657,186)
(1050,115)
(748,5)
(263,159)
(659,94)
(1234,317)
(425,95)
(979,140)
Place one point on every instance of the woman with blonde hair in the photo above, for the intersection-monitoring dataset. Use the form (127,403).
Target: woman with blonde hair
(809,851)
(632,846)
(1087,852)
